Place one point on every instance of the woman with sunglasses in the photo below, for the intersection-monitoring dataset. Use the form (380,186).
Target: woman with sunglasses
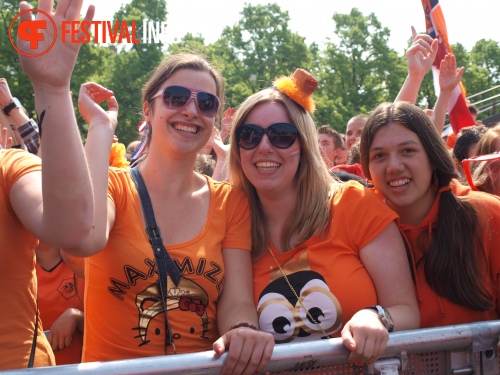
(453,232)
(204,226)
(321,249)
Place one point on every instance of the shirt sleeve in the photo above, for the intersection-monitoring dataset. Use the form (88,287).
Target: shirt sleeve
(29,134)
(360,214)
(238,231)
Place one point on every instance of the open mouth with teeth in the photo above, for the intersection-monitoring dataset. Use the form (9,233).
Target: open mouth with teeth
(186,128)
(400,182)
(267,166)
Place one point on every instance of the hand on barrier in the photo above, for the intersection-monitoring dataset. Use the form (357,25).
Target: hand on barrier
(249,350)
(365,336)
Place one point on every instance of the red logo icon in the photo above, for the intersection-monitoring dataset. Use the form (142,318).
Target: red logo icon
(31,32)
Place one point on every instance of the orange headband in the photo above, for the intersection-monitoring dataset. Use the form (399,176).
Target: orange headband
(298,87)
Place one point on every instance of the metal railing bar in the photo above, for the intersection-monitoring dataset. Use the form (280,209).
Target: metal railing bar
(485,100)
(482,92)
(288,356)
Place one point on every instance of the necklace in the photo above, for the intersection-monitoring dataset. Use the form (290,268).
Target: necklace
(297,296)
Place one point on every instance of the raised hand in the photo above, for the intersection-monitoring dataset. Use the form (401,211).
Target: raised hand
(449,76)
(5,140)
(5,95)
(52,69)
(226,123)
(421,54)
(217,143)
(419,58)
(90,96)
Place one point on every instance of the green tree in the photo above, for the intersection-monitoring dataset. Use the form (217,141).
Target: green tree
(258,49)
(360,71)
(131,67)
(10,67)
(189,44)
(483,73)
(93,61)
(486,54)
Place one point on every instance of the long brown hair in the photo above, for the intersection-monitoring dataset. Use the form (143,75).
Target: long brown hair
(454,261)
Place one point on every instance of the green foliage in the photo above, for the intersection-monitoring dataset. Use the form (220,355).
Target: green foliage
(355,67)
(130,68)
(10,68)
(260,47)
(361,69)
(486,54)
(189,44)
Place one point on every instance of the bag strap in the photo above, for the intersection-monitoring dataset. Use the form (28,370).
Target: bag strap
(152,229)
(164,263)
(33,343)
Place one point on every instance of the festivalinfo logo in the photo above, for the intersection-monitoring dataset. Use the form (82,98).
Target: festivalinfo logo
(84,32)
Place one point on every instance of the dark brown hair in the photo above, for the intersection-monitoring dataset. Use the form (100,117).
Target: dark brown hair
(454,261)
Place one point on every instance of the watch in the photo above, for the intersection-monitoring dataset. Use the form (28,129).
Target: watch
(15,103)
(384,316)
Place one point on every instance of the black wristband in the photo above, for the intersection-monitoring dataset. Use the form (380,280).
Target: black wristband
(15,103)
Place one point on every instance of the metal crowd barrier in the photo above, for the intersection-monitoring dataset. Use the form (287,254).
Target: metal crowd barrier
(458,350)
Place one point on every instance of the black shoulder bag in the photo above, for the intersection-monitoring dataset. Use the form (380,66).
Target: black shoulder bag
(164,264)
(31,361)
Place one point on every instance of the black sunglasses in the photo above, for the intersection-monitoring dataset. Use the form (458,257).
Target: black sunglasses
(176,97)
(281,135)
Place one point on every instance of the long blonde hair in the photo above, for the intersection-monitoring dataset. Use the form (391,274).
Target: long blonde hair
(314,185)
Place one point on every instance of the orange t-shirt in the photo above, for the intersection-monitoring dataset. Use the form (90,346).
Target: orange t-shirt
(58,290)
(439,311)
(124,316)
(17,270)
(326,272)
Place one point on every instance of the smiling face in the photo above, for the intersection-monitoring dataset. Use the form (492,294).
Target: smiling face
(268,168)
(185,129)
(400,169)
